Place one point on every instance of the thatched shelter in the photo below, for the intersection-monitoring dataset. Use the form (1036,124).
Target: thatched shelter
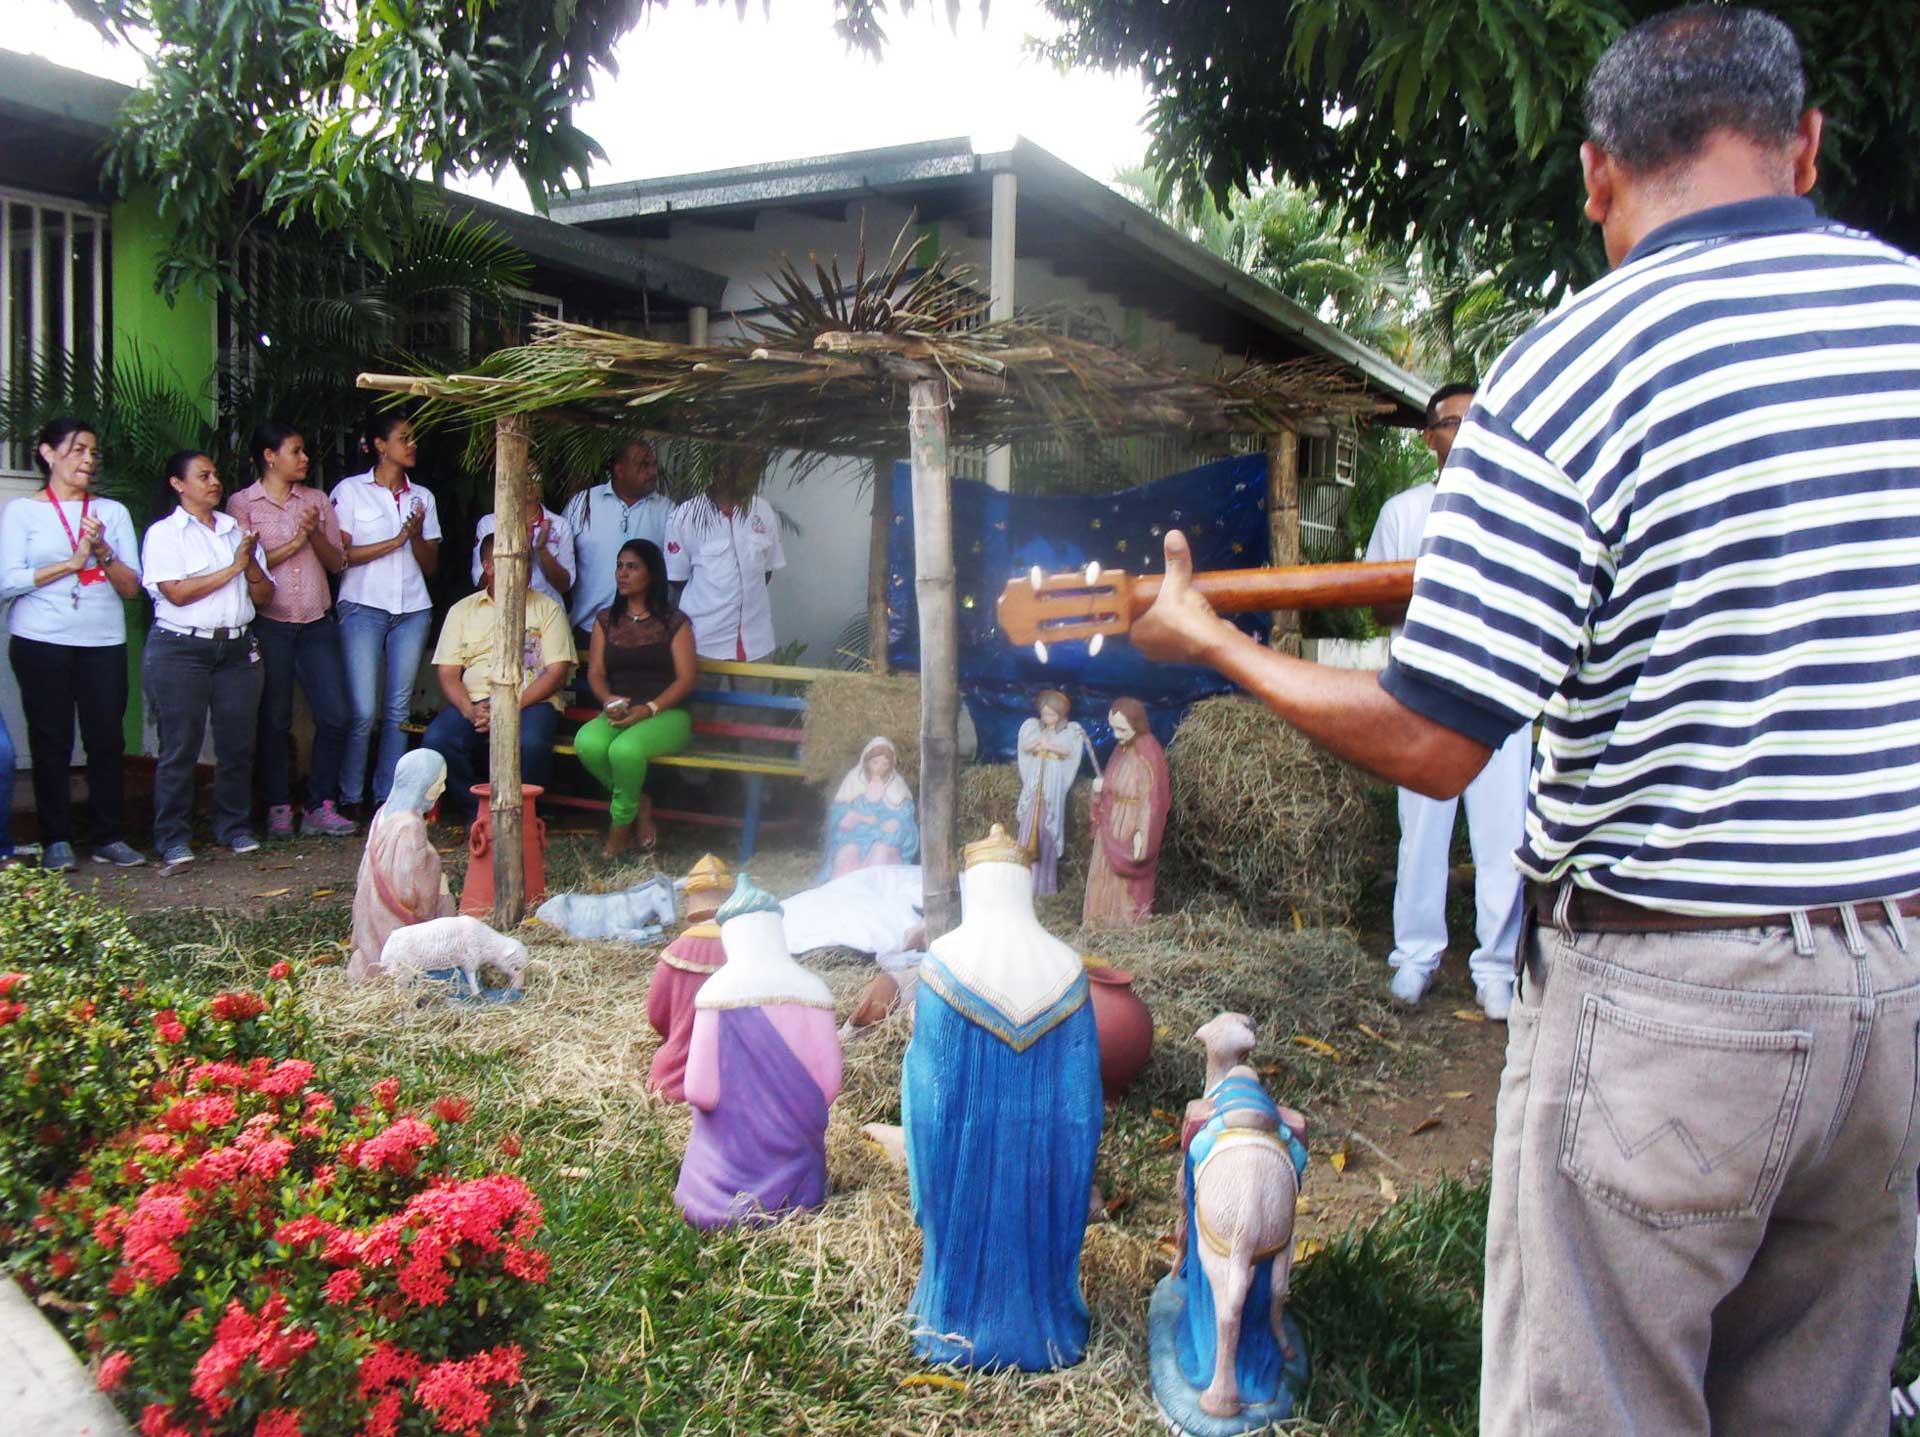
(841,368)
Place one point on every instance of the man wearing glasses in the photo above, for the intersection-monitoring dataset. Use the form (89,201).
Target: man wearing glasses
(1496,800)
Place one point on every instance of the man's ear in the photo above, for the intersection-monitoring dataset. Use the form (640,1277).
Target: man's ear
(1806,152)
(1596,172)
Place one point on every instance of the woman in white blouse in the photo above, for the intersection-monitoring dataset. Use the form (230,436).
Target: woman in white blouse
(68,564)
(391,530)
(202,661)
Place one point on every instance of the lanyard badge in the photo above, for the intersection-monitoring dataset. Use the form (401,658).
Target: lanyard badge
(91,573)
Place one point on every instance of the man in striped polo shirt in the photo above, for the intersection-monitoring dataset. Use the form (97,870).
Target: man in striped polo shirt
(1680,524)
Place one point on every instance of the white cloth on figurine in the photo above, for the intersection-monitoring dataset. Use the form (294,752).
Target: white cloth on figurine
(868,910)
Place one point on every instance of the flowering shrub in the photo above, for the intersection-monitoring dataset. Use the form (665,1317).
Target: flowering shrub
(239,1252)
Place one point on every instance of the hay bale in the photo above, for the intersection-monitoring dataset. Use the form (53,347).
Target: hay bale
(1264,816)
(845,710)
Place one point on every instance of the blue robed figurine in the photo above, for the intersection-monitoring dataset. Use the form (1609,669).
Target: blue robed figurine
(870,821)
(1000,1099)
(1226,1358)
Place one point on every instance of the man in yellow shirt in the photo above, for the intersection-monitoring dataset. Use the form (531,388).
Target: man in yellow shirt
(464,662)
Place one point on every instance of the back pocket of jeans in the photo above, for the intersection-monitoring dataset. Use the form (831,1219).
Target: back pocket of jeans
(1675,1125)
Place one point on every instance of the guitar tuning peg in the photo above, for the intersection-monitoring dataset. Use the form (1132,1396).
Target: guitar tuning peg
(1036,578)
(1040,650)
(1095,644)
(1093,571)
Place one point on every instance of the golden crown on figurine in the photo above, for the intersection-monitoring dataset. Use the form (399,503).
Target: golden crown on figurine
(997,847)
(710,875)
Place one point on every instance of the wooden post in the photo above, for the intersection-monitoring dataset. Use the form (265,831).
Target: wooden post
(879,548)
(510,570)
(1283,527)
(939,652)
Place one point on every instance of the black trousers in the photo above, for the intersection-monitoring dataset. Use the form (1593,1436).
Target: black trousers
(189,680)
(58,682)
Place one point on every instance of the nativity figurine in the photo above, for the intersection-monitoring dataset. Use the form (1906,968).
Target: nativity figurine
(684,966)
(870,822)
(762,1069)
(1050,752)
(1130,802)
(1226,1358)
(400,880)
(1000,1101)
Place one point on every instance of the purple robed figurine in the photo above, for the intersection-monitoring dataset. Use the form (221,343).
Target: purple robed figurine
(763,1067)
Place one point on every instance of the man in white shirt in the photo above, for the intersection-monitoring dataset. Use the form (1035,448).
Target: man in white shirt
(201,661)
(549,542)
(723,547)
(628,506)
(1496,800)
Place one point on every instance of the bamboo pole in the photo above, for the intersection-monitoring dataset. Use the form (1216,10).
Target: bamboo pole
(939,652)
(879,552)
(1283,528)
(510,571)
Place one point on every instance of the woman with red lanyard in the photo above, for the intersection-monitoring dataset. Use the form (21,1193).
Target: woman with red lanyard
(68,562)
(391,530)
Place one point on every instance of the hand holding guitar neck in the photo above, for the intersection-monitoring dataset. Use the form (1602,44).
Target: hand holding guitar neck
(1089,604)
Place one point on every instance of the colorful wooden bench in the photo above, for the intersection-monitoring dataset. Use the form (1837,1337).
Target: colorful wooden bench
(711,750)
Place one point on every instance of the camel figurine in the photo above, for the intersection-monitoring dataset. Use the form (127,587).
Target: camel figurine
(1239,1185)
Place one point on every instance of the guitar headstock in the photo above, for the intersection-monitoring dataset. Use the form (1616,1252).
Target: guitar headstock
(1044,609)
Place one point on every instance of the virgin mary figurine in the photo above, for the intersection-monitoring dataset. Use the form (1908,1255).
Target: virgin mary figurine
(763,1066)
(1000,1102)
(1130,802)
(870,821)
(400,881)
(1051,750)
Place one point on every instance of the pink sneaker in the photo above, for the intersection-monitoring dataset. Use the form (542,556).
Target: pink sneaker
(280,821)
(327,820)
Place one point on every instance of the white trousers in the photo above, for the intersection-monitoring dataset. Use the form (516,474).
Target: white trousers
(1496,822)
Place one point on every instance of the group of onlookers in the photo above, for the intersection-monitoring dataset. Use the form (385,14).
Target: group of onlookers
(282,588)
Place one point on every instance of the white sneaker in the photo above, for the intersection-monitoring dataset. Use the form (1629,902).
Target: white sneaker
(1496,998)
(1410,985)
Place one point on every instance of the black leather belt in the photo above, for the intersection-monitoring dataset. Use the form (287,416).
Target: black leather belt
(1588,911)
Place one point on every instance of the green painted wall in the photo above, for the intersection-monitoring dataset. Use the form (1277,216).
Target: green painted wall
(175,337)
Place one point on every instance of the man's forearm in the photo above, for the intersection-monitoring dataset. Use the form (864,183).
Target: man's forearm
(1348,713)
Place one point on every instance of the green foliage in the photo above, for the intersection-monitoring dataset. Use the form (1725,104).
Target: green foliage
(1456,123)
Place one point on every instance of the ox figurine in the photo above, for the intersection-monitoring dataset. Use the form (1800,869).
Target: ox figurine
(640,914)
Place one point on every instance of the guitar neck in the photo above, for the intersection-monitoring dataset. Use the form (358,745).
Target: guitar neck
(1303,586)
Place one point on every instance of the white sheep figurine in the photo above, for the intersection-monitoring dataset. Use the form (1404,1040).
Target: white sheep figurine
(459,942)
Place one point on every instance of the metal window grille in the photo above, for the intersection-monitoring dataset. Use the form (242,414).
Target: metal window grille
(53,296)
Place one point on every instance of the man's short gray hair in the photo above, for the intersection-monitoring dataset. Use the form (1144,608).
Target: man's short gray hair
(1669,82)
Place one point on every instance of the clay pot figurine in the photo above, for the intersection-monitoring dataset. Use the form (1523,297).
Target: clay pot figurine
(1125,1024)
(476,896)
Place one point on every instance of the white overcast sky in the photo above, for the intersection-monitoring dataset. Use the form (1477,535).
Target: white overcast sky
(701,88)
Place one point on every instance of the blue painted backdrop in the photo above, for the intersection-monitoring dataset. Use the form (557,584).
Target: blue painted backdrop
(1221,506)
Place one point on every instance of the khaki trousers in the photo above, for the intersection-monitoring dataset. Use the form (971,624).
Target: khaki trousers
(1703,1183)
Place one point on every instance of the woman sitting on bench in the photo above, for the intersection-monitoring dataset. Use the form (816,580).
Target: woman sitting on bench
(640,667)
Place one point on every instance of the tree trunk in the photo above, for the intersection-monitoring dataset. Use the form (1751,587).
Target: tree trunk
(510,570)
(879,550)
(939,652)
(1283,527)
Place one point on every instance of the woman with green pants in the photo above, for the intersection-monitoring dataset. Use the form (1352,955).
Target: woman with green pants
(640,666)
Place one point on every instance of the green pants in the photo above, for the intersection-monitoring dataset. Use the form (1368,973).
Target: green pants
(618,757)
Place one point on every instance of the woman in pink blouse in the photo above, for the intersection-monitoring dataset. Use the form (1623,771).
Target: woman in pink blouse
(299,640)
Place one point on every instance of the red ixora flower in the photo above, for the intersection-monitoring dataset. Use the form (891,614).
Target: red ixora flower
(9,1011)
(282,969)
(113,1369)
(386,1093)
(237,1007)
(280,1422)
(61,1265)
(510,1145)
(157,1421)
(8,982)
(452,1110)
(168,1025)
(396,1147)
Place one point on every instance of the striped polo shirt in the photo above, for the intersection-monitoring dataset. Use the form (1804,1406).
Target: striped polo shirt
(1682,525)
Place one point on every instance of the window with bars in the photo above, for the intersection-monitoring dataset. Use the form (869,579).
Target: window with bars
(53,301)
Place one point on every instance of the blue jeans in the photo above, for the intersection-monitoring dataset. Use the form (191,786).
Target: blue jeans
(453,736)
(378,646)
(309,654)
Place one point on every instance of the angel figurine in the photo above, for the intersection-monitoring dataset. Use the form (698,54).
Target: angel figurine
(1051,750)
(870,821)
